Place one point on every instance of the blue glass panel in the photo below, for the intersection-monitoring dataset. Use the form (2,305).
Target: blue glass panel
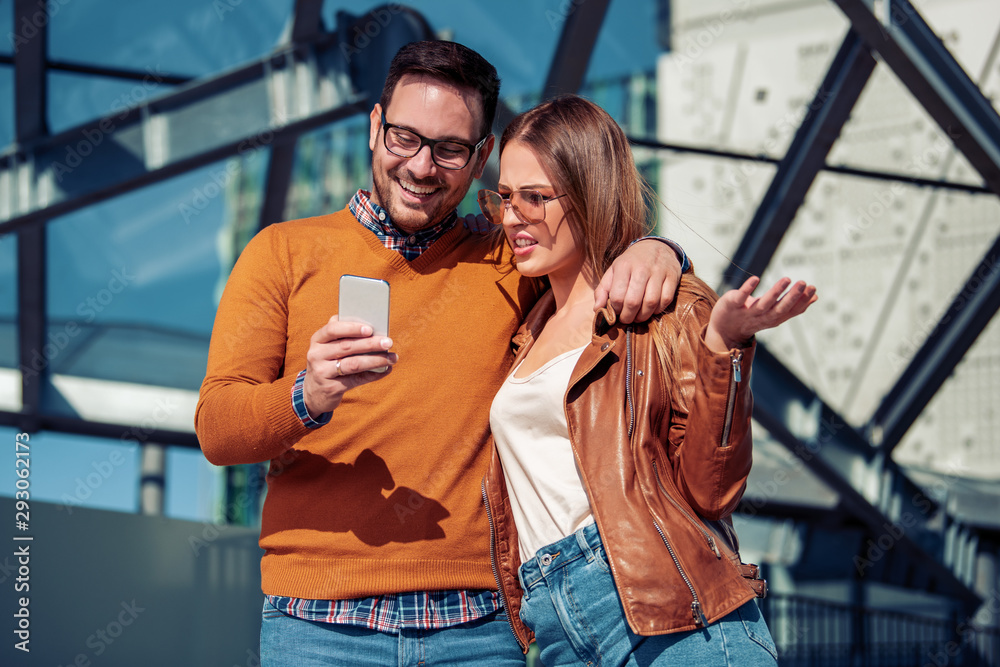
(628,41)
(78,98)
(78,471)
(182,37)
(133,282)
(621,76)
(194,486)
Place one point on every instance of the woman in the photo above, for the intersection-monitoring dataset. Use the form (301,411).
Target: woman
(620,451)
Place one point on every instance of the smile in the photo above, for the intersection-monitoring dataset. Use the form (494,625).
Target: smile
(416,189)
(524,243)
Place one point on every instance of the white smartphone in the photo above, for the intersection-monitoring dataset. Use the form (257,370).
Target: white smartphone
(365,300)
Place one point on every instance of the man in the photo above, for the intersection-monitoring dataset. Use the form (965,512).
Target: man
(375,535)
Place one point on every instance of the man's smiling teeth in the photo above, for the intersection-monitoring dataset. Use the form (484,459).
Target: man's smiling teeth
(416,189)
(524,243)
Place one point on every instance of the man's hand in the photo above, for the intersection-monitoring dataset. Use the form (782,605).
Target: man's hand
(342,355)
(738,315)
(478,224)
(641,282)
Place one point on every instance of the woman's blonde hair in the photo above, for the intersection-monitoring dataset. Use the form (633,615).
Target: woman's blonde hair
(588,157)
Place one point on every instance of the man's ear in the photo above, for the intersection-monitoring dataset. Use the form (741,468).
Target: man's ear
(484,155)
(376,123)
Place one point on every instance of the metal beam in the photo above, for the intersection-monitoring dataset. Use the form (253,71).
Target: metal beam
(871,487)
(277,183)
(31,323)
(581,25)
(918,57)
(966,317)
(103,70)
(122,432)
(933,183)
(806,156)
(30,91)
(306,25)
(307,22)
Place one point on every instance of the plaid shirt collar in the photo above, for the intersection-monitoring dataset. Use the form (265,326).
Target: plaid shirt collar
(376,219)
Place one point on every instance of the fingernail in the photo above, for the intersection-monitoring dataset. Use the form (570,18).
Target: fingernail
(366,330)
(386,343)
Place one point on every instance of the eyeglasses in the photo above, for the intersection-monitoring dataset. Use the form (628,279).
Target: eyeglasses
(447,154)
(528,205)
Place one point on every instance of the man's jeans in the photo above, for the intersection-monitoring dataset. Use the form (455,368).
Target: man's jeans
(571,603)
(289,641)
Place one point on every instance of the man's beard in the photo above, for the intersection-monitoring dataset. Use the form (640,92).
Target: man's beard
(411,218)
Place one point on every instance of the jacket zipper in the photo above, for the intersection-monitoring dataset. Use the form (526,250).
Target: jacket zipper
(496,571)
(696,613)
(628,380)
(708,536)
(735,358)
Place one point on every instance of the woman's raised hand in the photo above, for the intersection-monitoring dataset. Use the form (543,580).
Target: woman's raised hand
(738,315)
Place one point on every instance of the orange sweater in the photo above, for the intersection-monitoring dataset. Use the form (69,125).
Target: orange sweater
(386,497)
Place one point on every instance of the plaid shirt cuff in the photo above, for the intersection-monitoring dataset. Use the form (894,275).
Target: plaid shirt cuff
(299,405)
(681,255)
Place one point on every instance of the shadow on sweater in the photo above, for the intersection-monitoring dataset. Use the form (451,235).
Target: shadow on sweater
(344,497)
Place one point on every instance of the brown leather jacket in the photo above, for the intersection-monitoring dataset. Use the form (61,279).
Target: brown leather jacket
(664,461)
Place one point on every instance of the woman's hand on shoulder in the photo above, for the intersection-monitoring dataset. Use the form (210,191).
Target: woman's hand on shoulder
(738,315)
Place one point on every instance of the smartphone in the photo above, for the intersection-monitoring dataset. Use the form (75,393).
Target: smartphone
(365,300)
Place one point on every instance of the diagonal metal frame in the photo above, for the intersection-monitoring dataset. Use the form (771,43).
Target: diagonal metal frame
(102,70)
(806,156)
(871,486)
(969,313)
(576,45)
(906,43)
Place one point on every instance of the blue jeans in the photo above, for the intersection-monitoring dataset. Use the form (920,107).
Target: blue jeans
(571,603)
(293,642)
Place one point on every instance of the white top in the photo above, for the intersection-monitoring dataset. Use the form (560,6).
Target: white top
(547,497)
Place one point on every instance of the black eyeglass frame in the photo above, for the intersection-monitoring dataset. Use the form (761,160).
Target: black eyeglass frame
(424,141)
(508,204)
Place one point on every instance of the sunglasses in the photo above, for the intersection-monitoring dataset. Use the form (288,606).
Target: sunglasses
(528,205)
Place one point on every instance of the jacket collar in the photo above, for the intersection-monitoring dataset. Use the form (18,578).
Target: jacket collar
(604,319)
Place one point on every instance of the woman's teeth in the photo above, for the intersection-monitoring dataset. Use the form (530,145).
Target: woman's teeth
(524,243)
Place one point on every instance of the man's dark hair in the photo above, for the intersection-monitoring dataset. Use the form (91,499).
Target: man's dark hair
(452,63)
